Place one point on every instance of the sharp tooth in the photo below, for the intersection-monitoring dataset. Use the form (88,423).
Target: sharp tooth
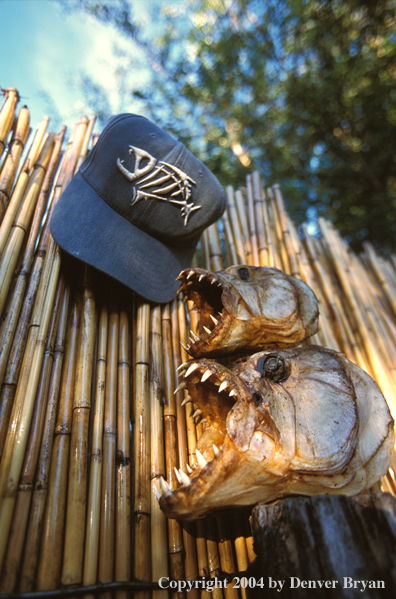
(193,367)
(158,493)
(194,335)
(206,375)
(200,278)
(223,386)
(213,281)
(208,331)
(179,480)
(185,479)
(179,278)
(216,449)
(165,487)
(219,285)
(182,385)
(189,469)
(197,412)
(214,319)
(182,366)
(200,459)
(186,400)
(190,274)
(181,373)
(232,392)
(184,347)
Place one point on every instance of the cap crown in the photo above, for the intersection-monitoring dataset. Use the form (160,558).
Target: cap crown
(153,181)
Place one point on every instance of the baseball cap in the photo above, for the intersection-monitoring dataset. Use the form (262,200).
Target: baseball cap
(137,207)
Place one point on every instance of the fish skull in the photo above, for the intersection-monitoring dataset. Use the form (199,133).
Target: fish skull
(295,421)
(247,308)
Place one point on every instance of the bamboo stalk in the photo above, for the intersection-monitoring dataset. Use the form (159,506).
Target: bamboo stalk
(22,220)
(25,487)
(263,254)
(72,568)
(252,221)
(123,487)
(11,98)
(11,163)
(236,228)
(159,542)
(215,255)
(107,518)
(22,182)
(32,544)
(229,241)
(226,556)
(50,557)
(11,320)
(242,216)
(95,479)
(16,440)
(142,442)
(175,535)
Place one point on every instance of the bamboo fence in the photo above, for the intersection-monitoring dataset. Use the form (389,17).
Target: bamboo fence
(89,417)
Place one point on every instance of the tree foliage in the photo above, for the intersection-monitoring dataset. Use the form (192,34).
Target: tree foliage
(301,90)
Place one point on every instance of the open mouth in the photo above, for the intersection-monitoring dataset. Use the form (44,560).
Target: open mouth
(214,390)
(205,290)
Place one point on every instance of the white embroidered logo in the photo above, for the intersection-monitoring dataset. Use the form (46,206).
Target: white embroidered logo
(179,183)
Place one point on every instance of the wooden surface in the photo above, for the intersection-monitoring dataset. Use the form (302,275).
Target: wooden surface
(326,538)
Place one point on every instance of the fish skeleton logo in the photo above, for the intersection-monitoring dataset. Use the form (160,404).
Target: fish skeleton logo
(162,178)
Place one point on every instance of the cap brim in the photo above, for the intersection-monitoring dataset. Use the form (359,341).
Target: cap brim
(84,226)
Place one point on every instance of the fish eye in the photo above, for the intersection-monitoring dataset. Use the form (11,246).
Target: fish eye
(273,367)
(257,399)
(243,273)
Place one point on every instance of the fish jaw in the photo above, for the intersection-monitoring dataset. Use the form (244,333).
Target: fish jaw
(269,309)
(229,472)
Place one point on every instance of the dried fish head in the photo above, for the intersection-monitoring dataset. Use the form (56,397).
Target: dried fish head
(295,421)
(247,308)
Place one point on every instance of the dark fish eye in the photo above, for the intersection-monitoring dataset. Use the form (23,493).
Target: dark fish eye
(273,367)
(257,399)
(243,273)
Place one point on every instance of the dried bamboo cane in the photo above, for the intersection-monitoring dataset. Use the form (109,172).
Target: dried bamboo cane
(20,186)
(123,486)
(242,215)
(215,255)
(142,500)
(95,479)
(25,487)
(262,241)
(11,163)
(190,561)
(22,220)
(285,231)
(252,221)
(387,285)
(229,241)
(11,98)
(159,541)
(87,137)
(32,543)
(175,536)
(236,228)
(72,568)
(50,557)
(281,257)
(16,440)
(205,250)
(10,323)
(107,518)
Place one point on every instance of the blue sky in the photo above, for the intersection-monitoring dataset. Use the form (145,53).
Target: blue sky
(45,52)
